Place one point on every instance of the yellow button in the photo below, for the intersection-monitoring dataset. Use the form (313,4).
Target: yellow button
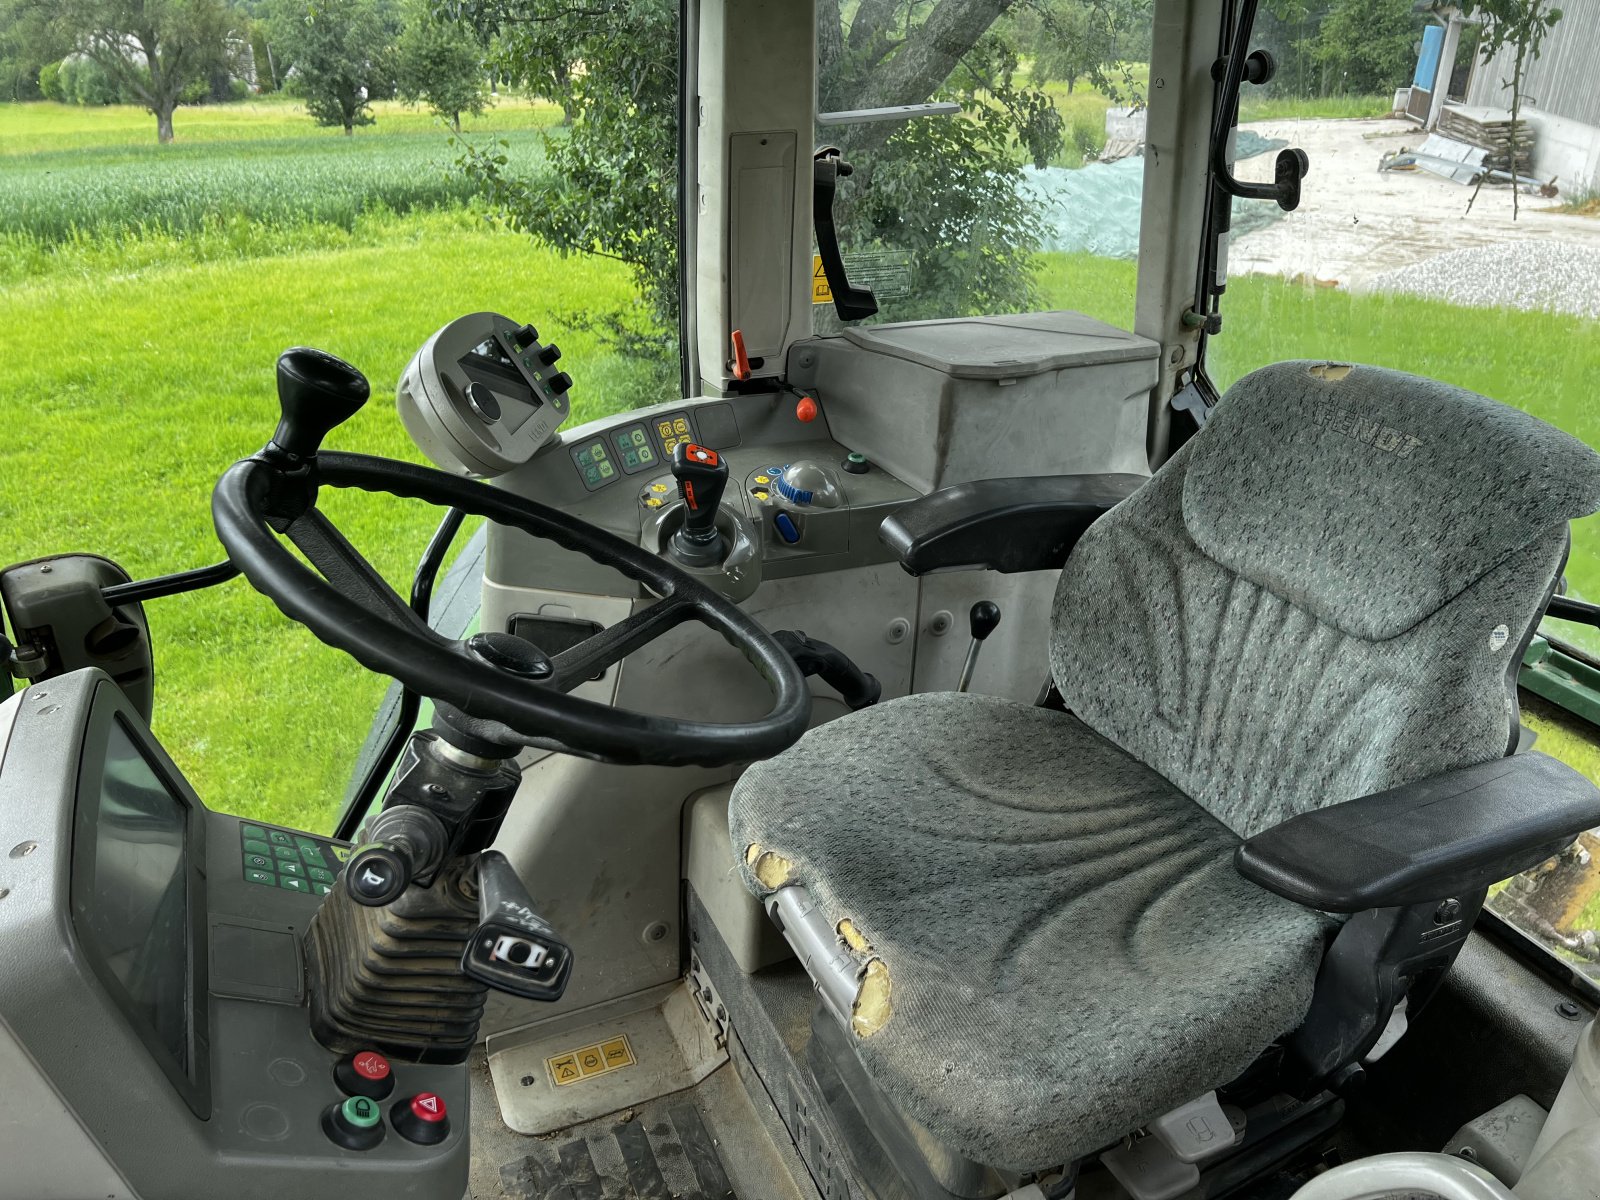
(658,487)
(664,428)
(763,479)
(680,426)
(758,493)
(653,502)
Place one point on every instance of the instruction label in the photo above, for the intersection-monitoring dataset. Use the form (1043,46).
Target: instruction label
(821,293)
(586,1062)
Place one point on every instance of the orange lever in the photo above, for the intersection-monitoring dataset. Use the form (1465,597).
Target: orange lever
(806,409)
(741,360)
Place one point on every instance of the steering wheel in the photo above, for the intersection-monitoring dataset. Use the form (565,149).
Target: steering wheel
(493,677)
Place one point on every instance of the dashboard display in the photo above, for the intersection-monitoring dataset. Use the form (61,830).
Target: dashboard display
(487,363)
(131,895)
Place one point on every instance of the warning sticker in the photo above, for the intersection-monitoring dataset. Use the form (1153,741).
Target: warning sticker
(821,293)
(589,1061)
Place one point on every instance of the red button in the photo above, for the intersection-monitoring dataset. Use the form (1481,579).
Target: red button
(369,1064)
(427,1106)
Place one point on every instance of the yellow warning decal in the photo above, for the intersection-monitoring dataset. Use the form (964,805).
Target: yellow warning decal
(821,293)
(342,853)
(588,1061)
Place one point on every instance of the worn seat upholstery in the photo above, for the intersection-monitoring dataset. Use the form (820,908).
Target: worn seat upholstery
(1323,595)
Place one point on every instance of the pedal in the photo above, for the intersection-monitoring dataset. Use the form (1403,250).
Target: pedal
(513,950)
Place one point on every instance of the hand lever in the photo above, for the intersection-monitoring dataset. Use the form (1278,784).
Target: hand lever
(405,844)
(702,476)
(985,615)
(513,949)
(316,391)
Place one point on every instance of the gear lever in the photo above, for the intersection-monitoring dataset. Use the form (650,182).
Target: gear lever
(513,949)
(316,392)
(702,476)
(983,618)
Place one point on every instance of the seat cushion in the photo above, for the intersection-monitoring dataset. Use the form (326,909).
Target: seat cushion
(1069,950)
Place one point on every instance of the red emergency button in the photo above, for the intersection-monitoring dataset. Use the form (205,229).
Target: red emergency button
(365,1073)
(421,1119)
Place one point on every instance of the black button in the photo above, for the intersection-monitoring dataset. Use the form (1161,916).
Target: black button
(549,355)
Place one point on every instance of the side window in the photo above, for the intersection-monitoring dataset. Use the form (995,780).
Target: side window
(1450,227)
(1021,189)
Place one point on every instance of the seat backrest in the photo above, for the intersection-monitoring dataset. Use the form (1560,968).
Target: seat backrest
(1325,593)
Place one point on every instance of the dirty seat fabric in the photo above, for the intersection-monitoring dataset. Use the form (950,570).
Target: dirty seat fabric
(1069,948)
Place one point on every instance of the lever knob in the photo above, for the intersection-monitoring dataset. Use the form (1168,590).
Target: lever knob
(983,618)
(316,392)
(702,476)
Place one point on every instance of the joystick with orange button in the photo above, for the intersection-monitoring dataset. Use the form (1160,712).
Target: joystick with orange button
(702,476)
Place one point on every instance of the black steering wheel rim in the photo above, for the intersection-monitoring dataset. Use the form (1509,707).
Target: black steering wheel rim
(446,670)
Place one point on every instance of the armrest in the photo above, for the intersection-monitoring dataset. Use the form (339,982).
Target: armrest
(1022,524)
(1443,836)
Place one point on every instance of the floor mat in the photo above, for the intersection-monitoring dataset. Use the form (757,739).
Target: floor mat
(665,1155)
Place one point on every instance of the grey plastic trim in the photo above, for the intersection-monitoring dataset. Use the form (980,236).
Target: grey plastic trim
(833,970)
(897,112)
(1443,1175)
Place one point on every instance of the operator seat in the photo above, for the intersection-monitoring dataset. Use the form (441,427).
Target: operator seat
(1325,594)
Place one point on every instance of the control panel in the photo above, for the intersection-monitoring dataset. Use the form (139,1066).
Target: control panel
(631,448)
(483,394)
(157,966)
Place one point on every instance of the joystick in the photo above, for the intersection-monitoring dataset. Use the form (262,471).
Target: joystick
(983,618)
(702,476)
(316,392)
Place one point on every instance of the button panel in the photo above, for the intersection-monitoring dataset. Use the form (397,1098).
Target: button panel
(632,447)
(290,860)
(595,465)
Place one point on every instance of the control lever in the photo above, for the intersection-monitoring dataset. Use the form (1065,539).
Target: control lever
(316,392)
(856,687)
(513,949)
(983,618)
(702,477)
(405,844)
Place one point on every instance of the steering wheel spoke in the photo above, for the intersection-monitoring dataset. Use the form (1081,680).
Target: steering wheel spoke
(601,651)
(343,566)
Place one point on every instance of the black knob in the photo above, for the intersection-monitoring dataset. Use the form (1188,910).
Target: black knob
(316,391)
(549,355)
(560,382)
(524,337)
(376,874)
(985,615)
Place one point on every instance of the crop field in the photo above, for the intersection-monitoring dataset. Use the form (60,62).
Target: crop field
(139,352)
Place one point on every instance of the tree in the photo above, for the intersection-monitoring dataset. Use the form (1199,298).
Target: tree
(1368,45)
(948,185)
(1521,25)
(340,52)
(440,61)
(154,51)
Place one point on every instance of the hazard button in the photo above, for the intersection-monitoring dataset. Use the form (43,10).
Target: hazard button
(421,1119)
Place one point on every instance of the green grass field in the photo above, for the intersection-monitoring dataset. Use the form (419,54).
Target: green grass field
(139,365)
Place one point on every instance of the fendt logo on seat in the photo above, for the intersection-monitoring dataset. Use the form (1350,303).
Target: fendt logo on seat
(1340,419)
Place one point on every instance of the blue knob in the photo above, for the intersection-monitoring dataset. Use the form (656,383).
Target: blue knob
(784,524)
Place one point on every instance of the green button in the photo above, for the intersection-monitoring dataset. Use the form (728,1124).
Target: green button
(291,868)
(362,1112)
(259,862)
(321,875)
(279,837)
(290,883)
(288,852)
(256,846)
(255,876)
(312,855)
(253,831)
(305,843)
(321,889)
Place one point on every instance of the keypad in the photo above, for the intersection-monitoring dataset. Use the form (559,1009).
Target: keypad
(290,861)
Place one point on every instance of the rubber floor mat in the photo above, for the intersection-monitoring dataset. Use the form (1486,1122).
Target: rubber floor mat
(667,1155)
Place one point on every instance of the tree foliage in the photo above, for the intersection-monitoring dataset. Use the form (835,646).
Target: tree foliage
(154,52)
(440,61)
(1367,45)
(340,53)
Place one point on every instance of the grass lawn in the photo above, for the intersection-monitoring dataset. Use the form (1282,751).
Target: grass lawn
(115,441)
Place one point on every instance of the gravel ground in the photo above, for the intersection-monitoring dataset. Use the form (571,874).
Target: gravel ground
(1553,276)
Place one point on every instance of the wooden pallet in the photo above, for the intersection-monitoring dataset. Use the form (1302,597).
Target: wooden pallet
(1490,129)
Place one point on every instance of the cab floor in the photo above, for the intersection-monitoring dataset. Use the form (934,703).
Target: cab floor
(709,1142)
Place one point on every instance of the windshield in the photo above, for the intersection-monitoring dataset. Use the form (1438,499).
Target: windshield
(1016,185)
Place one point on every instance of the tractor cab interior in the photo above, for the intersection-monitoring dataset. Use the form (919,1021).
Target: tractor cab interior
(956,757)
